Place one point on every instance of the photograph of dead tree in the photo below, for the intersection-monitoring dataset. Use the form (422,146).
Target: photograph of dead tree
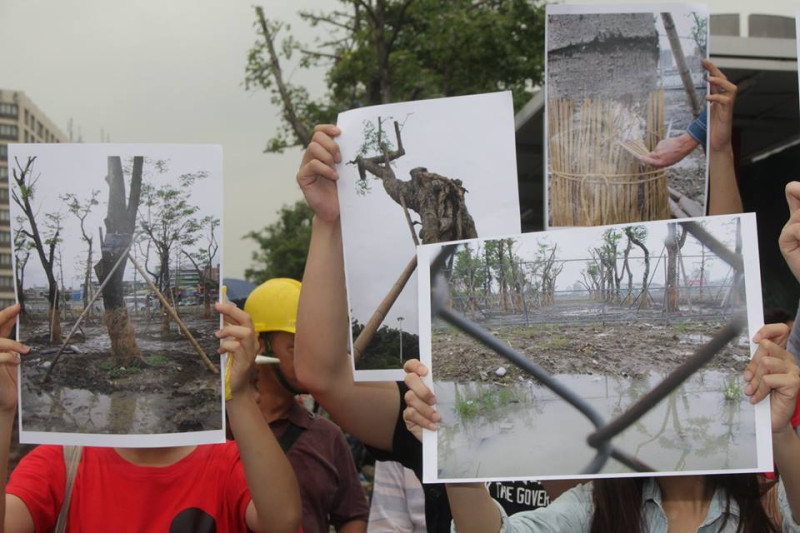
(610,312)
(412,174)
(617,85)
(117,259)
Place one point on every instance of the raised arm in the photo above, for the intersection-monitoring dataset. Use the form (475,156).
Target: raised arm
(367,411)
(275,504)
(723,188)
(14,515)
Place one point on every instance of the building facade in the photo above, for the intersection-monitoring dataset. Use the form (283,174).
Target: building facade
(20,122)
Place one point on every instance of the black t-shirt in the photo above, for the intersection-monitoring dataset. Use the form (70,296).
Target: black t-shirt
(514,496)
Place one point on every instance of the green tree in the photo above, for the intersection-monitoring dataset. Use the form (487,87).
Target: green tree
(282,246)
(381,51)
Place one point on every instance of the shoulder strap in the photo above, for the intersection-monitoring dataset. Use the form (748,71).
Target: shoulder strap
(290,436)
(72,456)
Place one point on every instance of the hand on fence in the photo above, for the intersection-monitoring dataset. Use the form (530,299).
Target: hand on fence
(789,240)
(419,412)
(9,359)
(317,175)
(722,98)
(774,371)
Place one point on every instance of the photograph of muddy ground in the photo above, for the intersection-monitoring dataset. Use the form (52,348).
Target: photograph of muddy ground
(616,85)
(416,173)
(610,312)
(117,256)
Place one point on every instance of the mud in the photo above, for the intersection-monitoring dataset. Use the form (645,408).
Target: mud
(615,350)
(90,392)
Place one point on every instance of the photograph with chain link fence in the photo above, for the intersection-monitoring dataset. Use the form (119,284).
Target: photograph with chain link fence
(610,312)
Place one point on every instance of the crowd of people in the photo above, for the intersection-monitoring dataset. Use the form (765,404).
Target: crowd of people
(288,469)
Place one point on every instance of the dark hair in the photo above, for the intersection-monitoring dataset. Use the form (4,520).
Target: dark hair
(618,503)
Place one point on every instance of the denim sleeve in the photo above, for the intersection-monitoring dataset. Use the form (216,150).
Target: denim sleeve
(697,129)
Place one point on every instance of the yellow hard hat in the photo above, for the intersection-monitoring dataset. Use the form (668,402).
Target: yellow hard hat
(273,305)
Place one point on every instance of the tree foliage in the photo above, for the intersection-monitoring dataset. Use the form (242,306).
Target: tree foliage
(283,245)
(383,350)
(381,51)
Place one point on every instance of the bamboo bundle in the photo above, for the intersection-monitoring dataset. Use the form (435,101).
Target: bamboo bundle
(595,176)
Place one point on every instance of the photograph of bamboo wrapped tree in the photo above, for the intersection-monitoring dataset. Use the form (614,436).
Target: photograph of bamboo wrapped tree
(610,311)
(117,260)
(619,81)
(415,173)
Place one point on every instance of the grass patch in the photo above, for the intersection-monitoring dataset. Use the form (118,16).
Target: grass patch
(107,366)
(157,360)
(684,327)
(555,342)
(483,402)
(125,371)
(732,391)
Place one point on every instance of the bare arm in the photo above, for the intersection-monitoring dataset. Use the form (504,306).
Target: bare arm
(723,188)
(353,526)
(14,515)
(275,505)
(368,411)
(473,509)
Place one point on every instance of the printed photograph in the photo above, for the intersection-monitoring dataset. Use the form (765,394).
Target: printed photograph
(625,113)
(416,173)
(610,312)
(117,257)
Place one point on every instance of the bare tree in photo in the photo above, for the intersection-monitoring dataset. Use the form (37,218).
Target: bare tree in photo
(169,222)
(438,201)
(637,235)
(203,260)
(23,246)
(674,243)
(23,195)
(120,224)
(81,209)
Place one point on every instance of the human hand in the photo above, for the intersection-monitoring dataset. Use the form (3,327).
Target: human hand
(10,351)
(669,151)
(773,371)
(238,338)
(789,240)
(722,98)
(317,175)
(777,333)
(419,412)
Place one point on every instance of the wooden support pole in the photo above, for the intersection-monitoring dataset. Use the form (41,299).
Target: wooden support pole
(375,321)
(680,62)
(175,317)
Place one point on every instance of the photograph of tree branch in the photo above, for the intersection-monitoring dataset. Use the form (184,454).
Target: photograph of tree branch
(117,259)
(610,312)
(625,113)
(417,172)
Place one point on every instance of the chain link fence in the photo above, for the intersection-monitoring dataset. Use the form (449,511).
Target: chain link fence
(604,431)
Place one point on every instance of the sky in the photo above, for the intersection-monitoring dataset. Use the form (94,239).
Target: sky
(468,138)
(62,169)
(163,72)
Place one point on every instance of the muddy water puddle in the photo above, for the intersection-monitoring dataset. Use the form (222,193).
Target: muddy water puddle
(526,430)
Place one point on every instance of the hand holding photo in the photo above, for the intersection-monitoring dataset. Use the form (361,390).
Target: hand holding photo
(117,262)
(623,350)
(414,173)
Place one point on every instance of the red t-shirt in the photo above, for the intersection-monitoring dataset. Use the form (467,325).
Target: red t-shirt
(203,492)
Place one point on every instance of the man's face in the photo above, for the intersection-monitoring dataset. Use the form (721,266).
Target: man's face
(281,344)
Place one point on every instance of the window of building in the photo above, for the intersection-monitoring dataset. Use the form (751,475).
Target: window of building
(3,193)
(5,237)
(3,152)
(4,174)
(5,216)
(9,131)
(39,128)
(27,117)
(26,135)
(6,282)
(9,110)
(5,260)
